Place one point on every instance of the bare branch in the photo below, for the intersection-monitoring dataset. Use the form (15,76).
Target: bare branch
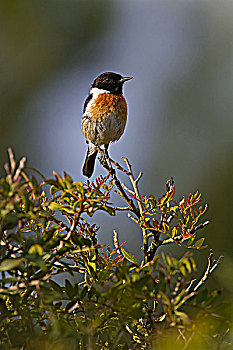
(190,285)
(212,264)
(156,243)
(198,227)
(118,184)
(118,166)
(12,160)
(121,208)
(136,192)
(20,168)
(139,177)
(116,241)
(134,183)
(127,189)
(75,222)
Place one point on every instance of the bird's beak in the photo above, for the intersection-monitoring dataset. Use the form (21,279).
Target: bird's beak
(123,79)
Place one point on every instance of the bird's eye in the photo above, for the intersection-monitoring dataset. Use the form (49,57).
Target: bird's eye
(107,80)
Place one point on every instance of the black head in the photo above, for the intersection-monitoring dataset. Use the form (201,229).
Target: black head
(111,82)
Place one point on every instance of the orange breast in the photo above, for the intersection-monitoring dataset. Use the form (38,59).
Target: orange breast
(106,104)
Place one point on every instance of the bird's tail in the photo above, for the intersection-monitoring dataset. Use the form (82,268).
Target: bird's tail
(89,164)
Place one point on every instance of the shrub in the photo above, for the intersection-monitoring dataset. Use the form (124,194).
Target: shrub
(61,289)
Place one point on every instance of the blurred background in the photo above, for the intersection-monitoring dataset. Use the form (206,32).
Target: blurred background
(180,123)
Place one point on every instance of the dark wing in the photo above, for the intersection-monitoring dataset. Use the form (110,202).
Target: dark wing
(89,97)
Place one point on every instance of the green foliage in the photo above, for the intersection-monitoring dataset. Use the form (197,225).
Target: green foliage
(60,289)
(185,213)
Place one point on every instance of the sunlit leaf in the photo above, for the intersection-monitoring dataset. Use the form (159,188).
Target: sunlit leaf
(9,264)
(36,249)
(130,257)
(198,244)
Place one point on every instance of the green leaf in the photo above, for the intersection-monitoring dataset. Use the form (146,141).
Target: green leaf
(183,270)
(69,289)
(67,179)
(11,218)
(183,317)
(174,231)
(84,292)
(77,204)
(54,189)
(91,268)
(55,206)
(36,249)
(9,264)
(190,242)
(198,243)
(56,286)
(52,182)
(26,202)
(5,187)
(130,257)
(108,209)
(153,200)
(188,265)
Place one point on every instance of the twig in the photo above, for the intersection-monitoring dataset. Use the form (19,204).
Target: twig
(216,263)
(170,240)
(169,188)
(112,173)
(190,285)
(200,226)
(182,335)
(212,264)
(156,243)
(11,168)
(136,192)
(118,166)
(12,160)
(20,168)
(127,189)
(75,222)
(148,254)
(116,241)
(177,238)
(27,284)
(121,208)
(189,340)
(134,183)
(139,177)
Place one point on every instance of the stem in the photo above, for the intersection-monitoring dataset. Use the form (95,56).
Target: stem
(135,187)
(149,251)
(119,186)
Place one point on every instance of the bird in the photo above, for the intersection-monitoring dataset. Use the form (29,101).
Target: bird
(104,116)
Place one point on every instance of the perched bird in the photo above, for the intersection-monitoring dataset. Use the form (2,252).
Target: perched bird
(104,115)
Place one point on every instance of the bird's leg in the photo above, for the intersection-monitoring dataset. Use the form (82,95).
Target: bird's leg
(106,150)
(104,158)
(112,171)
(102,152)
(105,154)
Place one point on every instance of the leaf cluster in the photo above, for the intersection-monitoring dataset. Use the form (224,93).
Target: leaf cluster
(59,288)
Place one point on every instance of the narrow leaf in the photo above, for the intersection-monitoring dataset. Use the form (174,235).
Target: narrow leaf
(9,264)
(130,257)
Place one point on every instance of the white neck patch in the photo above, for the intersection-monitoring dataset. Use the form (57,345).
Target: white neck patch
(95,92)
